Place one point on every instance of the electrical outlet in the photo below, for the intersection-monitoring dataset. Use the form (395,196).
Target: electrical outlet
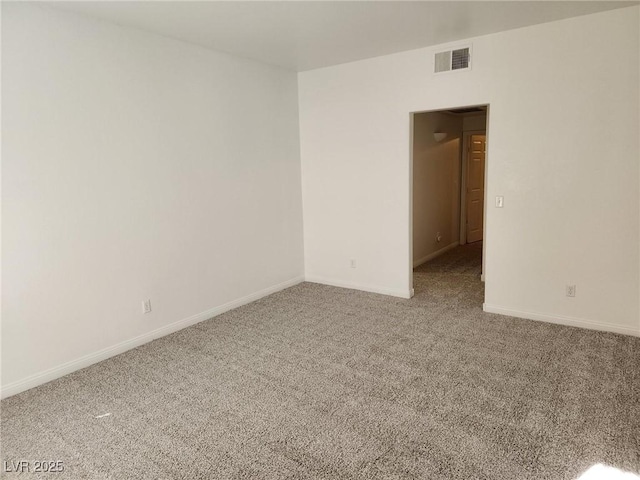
(353,263)
(571,290)
(146,306)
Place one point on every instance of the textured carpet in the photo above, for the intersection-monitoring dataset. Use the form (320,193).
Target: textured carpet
(323,382)
(465,259)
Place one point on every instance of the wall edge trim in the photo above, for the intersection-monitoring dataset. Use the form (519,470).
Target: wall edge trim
(356,286)
(435,254)
(121,347)
(561,320)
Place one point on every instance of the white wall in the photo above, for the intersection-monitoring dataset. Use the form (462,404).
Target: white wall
(135,167)
(563,150)
(436,184)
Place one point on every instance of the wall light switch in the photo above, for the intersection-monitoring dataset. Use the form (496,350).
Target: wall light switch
(499,201)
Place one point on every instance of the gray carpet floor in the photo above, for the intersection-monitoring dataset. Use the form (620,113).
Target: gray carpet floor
(330,383)
(465,259)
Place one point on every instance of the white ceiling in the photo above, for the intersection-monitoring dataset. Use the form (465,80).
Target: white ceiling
(313,34)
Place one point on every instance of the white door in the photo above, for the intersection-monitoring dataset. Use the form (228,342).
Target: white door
(475,187)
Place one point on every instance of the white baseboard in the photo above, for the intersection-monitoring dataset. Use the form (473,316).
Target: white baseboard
(87,360)
(435,254)
(562,320)
(355,286)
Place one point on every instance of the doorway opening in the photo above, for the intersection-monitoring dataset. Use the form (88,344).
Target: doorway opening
(449,163)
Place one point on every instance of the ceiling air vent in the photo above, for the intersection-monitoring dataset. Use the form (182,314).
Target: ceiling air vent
(458,59)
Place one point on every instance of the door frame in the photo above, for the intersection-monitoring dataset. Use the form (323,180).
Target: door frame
(486,185)
(464,160)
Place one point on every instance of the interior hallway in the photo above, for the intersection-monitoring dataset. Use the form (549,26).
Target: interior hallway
(452,278)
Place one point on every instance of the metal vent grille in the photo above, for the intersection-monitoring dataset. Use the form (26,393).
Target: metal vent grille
(443,62)
(460,59)
(449,60)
